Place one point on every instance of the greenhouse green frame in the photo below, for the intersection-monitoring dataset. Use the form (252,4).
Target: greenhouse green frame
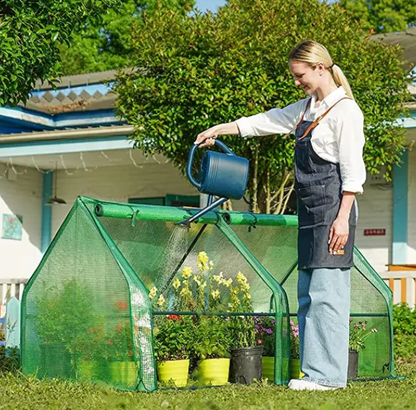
(87,303)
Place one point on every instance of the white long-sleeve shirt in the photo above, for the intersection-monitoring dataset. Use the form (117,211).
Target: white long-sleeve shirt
(338,138)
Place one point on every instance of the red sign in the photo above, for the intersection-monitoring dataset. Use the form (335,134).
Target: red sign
(374,232)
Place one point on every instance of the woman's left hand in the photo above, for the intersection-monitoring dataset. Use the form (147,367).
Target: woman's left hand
(338,235)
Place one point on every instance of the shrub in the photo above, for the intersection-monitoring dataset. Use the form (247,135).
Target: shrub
(404,327)
(9,359)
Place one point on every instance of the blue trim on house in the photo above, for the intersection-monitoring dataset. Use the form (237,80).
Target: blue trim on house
(46,232)
(29,120)
(400,211)
(64,146)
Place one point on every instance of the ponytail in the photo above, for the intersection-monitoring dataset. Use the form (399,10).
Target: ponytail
(341,80)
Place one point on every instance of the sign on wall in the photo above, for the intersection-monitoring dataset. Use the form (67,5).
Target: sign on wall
(12,227)
(374,232)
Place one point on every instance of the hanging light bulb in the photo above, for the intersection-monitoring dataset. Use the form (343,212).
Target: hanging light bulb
(55,200)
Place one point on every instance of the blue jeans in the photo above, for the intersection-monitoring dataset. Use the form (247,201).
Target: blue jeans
(323,315)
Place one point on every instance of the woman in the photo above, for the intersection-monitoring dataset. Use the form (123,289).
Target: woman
(329,172)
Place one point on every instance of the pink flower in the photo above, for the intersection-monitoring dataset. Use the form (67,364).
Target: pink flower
(259,341)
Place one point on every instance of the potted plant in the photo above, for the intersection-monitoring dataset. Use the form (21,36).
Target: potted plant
(212,340)
(265,329)
(211,349)
(246,354)
(200,292)
(63,317)
(173,336)
(294,363)
(358,335)
(119,345)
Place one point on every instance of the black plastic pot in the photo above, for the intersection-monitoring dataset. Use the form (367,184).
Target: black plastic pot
(352,364)
(246,364)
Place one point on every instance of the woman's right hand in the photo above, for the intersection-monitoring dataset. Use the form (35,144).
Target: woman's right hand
(207,137)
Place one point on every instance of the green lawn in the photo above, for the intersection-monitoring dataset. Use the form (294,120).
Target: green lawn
(19,392)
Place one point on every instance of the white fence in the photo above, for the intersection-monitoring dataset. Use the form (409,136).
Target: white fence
(403,286)
(10,288)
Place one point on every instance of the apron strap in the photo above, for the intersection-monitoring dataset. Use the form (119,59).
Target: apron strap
(316,122)
(300,119)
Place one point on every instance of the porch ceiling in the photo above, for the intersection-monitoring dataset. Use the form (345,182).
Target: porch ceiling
(87,160)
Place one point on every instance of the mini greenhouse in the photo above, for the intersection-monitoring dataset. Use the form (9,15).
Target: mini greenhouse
(87,314)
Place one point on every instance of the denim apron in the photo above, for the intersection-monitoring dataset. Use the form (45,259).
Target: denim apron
(318,187)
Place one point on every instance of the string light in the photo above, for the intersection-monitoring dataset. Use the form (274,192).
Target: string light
(40,170)
(133,161)
(5,171)
(66,169)
(10,165)
(14,169)
(156,159)
(83,164)
(106,156)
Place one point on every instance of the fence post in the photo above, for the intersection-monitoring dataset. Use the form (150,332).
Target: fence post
(13,323)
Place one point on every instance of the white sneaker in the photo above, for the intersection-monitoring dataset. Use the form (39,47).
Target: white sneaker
(300,384)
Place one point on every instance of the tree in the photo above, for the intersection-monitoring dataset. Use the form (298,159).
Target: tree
(30,32)
(200,70)
(107,44)
(382,16)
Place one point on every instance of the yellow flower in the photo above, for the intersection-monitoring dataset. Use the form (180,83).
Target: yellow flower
(203,285)
(185,283)
(241,279)
(215,294)
(176,284)
(161,301)
(245,287)
(197,279)
(218,278)
(187,272)
(235,291)
(203,258)
(211,264)
(185,292)
(227,282)
(153,292)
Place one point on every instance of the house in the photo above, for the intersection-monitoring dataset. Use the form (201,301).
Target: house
(68,142)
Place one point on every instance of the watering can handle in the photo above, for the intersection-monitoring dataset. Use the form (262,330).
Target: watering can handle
(191,160)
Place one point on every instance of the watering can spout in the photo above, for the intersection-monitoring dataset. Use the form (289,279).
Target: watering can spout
(184,224)
(208,208)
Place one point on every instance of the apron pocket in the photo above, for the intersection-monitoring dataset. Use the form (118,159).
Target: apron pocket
(311,205)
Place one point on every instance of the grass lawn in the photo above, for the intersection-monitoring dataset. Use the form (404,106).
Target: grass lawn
(20,392)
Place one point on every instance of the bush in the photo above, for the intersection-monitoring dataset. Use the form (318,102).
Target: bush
(11,361)
(404,327)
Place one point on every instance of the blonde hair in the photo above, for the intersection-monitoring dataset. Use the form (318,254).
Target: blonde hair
(313,53)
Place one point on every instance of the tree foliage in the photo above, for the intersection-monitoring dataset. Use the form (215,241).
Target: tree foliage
(30,33)
(107,44)
(201,70)
(382,16)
